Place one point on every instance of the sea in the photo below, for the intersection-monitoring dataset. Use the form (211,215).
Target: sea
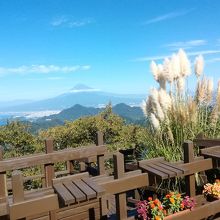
(5,117)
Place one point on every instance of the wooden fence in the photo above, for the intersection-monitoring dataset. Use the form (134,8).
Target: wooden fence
(67,195)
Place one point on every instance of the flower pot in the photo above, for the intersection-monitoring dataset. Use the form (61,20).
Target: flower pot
(177,215)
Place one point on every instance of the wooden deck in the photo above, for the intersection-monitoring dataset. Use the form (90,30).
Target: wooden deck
(82,196)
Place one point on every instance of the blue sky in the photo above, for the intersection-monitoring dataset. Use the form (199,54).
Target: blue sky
(48,46)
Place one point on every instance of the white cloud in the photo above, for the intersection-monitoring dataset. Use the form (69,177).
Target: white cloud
(186,44)
(203,52)
(42,69)
(217,59)
(69,22)
(168,16)
(149,58)
(161,57)
(58,21)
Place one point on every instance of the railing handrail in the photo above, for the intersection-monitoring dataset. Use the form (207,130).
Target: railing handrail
(51,158)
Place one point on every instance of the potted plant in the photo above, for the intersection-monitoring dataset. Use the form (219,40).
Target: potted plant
(212,191)
(156,210)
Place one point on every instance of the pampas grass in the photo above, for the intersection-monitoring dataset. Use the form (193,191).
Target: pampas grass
(176,115)
(199,65)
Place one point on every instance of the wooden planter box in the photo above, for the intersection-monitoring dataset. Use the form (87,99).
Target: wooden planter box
(178,215)
(198,213)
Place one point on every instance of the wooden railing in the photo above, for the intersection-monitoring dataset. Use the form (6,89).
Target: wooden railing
(45,203)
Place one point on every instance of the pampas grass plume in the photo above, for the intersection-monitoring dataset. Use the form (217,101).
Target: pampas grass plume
(199,65)
(154,70)
(185,67)
(181,84)
(144,107)
(164,100)
(175,66)
(210,87)
(155,122)
(167,71)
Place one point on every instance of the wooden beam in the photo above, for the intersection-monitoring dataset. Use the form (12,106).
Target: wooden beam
(206,142)
(189,157)
(101,158)
(49,168)
(119,169)
(17,186)
(201,212)
(147,161)
(3,184)
(73,210)
(3,209)
(126,183)
(33,206)
(197,166)
(100,138)
(71,177)
(214,148)
(62,155)
(121,202)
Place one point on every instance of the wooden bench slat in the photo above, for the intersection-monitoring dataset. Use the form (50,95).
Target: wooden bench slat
(175,166)
(99,189)
(154,171)
(172,169)
(164,170)
(75,191)
(90,193)
(64,194)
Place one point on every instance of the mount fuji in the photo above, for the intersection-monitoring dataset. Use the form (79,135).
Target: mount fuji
(80,94)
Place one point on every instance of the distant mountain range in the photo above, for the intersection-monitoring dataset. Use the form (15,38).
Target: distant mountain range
(130,114)
(80,94)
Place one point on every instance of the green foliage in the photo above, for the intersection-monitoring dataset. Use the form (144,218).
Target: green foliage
(83,131)
(17,140)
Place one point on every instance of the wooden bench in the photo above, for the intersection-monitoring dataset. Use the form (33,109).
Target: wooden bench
(31,205)
(77,188)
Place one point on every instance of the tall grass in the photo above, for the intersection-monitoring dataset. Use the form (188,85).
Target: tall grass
(175,114)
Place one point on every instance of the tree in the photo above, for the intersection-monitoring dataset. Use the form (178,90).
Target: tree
(16,138)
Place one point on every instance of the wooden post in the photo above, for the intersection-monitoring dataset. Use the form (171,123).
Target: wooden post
(3,184)
(49,172)
(189,157)
(100,159)
(70,167)
(43,178)
(49,168)
(121,202)
(82,166)
(17,186)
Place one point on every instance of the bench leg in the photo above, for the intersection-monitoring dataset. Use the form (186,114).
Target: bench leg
(92,214)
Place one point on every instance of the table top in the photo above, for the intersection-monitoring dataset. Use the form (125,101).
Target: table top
(162,169)
(212,152)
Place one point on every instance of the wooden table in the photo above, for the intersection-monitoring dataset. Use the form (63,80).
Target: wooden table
(214,153)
